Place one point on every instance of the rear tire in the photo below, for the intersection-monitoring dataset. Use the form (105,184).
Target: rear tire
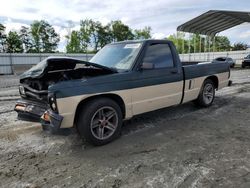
(207,94)
(100,121)
(243,66)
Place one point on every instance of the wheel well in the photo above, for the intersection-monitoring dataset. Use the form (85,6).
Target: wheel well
(214,80)
(114,97)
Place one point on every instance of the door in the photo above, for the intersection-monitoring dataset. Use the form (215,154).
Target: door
(161,85)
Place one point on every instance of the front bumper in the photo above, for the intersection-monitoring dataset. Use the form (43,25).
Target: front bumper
(30,110)
(39,112)
(51,121)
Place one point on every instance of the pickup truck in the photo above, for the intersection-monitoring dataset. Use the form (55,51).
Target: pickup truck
(122,80)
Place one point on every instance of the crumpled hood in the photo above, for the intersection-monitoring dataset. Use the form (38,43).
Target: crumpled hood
(56,64)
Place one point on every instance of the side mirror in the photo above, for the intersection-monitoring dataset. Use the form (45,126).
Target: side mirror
(147,66)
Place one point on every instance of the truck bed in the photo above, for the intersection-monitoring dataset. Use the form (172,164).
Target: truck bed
(199,69)
(185,63)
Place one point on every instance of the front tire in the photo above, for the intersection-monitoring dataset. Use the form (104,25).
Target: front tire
(100,121)
(207,94)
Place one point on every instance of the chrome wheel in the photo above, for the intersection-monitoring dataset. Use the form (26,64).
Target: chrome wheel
(104,123)
(208,93)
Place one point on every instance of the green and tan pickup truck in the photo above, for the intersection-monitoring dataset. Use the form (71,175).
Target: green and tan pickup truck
(122,80)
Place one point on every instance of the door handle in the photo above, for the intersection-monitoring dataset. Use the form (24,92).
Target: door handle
(174,71)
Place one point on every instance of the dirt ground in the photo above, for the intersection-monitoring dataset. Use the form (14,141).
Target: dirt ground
(181,146)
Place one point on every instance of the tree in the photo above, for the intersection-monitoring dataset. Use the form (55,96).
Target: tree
(26,38)
(74,44)
(180,42)
(198,43)
(105,36)
(239,46)
(120,31)
(144,33)
(14,43)
(222,43)
(84,34)
(2,38)
(94,34)
(45,39)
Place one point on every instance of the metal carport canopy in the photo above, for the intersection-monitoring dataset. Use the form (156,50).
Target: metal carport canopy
(214,21)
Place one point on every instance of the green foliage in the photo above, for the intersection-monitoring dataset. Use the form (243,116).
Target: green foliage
(120,31)
(239,46)
(105,36)
(14,43)
(26,38)
(144,33)
(2,38)
(45,39)
(92,35)
(41,37)
(180,42)
(74,44)
(222,43)
(196,43)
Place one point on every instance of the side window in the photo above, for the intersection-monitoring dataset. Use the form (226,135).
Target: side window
(160,55)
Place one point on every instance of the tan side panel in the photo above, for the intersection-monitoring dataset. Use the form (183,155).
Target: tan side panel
(223,79)
(193,92)
(145,99)
(67,106)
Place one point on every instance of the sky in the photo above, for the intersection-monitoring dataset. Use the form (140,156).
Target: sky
(163,16)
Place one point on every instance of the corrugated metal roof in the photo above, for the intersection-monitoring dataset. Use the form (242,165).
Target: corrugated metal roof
(214,21)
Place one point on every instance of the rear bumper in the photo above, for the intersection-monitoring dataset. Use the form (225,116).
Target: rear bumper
(38,112)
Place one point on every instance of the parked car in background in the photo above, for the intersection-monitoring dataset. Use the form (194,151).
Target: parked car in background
(228,60)
(246,61)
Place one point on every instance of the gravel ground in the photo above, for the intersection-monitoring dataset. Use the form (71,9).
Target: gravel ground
(181,146)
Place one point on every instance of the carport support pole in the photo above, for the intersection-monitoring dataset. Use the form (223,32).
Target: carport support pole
(194,44)
(177,43)
(205,45)
(209,47)
(189,49)
(200,47)
(213,46)
(183,45)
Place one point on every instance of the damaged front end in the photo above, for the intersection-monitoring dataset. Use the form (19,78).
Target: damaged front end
(37,103)
(47,114)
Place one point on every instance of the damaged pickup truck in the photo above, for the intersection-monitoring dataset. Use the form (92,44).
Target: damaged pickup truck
(122,80)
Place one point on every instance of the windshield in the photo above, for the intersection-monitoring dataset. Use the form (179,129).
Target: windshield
(39,67)
(118,56)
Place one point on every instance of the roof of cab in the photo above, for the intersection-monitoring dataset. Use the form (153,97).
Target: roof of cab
(140,41)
